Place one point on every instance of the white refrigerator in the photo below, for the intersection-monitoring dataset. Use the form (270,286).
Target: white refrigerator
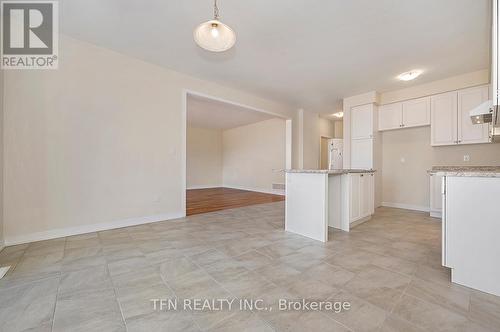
(335,153)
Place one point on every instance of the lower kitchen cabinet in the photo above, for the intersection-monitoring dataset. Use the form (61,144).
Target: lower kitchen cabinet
(362,196)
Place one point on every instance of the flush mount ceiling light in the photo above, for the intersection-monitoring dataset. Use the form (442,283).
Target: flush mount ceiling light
(410,75)
(338,114)
(214,35)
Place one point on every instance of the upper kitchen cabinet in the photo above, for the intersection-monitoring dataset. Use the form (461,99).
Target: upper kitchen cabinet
(407,114)
(362,121)
(416,112)
(469,133)
(450,119)
(390,116)
(444,119)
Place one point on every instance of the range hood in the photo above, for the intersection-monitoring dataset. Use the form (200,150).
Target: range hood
(488,112)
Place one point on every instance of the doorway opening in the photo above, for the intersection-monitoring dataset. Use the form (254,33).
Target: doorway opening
(234,155)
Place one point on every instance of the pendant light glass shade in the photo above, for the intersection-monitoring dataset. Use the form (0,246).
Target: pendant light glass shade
(214,35)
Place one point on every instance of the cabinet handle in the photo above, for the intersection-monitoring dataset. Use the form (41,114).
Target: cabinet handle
(362,175)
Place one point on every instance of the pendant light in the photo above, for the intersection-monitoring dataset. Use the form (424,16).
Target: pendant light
(214,35)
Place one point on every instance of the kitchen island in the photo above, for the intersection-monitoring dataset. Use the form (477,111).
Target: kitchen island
(471,225)
(318,199)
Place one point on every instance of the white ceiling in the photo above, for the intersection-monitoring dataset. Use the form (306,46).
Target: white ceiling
(208,113)
(307,53)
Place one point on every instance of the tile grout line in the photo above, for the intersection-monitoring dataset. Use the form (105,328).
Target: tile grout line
(58,287)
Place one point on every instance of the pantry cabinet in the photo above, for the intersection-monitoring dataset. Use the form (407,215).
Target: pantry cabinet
(450,119)
(363,140)
(362,121)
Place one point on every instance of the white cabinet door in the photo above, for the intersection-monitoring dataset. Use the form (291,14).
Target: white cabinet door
(372,193)
(444,119)
(436,201)
(469,133)
(390,116)
(365,194)
(362,122)
(362,153)
(354,207)
(417,112)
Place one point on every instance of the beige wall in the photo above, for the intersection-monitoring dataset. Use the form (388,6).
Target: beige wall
(326,128)
(1,157)
(338,129)
(448,84)
(204,158)
(407,183)
(311,140)
(98,143)
(406,157)
(253,154)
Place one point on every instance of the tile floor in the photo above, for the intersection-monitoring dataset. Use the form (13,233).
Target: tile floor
(388,269)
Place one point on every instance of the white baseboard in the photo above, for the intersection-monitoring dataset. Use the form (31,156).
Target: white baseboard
(406,206)
(203,187)
(436,214)
(77,230)
(259,190)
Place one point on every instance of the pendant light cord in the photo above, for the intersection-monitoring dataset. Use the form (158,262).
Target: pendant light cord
(216,11)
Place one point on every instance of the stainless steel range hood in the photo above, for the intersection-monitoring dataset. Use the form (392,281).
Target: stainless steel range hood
(488,112)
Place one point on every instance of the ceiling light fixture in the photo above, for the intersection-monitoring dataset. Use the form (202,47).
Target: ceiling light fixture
(338,114)
(214,35)
(410,75)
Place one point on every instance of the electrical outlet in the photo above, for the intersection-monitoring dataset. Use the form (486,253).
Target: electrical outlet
(466,157)
(403,160)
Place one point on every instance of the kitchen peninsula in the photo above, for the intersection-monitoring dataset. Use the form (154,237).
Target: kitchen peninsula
(471,225)
(318,199)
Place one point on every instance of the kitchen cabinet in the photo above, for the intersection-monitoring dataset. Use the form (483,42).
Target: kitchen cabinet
(362,153)
(355,197)
(390,116)
(365,185)
(416,112)
(362,121)
(407,114)
(436,197)
(361,187)
(469,133)
(363,125)
(450,119)
(444,119)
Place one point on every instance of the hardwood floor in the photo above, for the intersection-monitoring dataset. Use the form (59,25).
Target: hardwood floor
(216,199)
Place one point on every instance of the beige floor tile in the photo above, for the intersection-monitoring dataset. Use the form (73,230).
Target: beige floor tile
(92,311)
(162,322)
(485,309)
(362,316)
(428,315)
(389,269)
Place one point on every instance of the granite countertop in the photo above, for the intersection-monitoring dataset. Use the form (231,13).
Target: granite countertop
(328,171)
(472,171)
